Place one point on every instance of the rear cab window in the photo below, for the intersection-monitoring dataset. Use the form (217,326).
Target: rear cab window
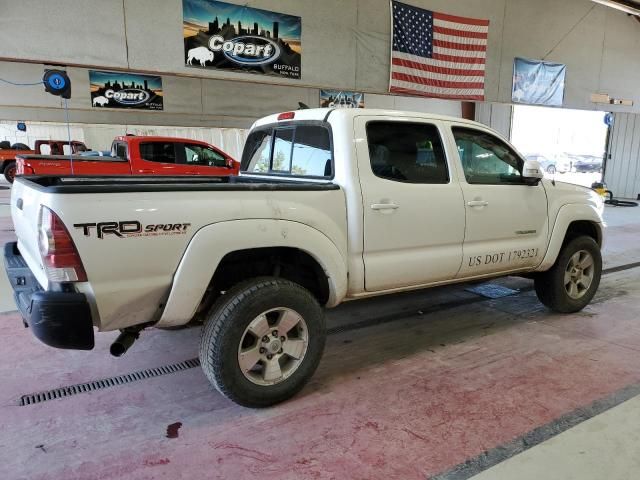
(300,149)
(119,150)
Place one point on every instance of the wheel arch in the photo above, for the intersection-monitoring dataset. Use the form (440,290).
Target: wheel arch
(573,220)
(224,252)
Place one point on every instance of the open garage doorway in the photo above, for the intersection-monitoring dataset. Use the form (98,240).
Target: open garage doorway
(570,144)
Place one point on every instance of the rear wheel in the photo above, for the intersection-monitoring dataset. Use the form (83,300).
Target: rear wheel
(263,341)
(573,280)
(10,171)
(551,169)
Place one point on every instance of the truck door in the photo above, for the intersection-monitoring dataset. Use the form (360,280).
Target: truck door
(506,219)
(156,158)
(413,210)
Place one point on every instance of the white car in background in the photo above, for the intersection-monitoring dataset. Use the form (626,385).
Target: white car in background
(551,165)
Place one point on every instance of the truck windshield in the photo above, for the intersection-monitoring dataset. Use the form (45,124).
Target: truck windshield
(295,150)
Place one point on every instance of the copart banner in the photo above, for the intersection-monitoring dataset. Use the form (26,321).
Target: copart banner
(341,99)
(233,37)
(537,82)
(125,90)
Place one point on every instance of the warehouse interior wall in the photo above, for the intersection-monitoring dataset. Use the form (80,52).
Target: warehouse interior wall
(192,102)
(345,46)
(495,115)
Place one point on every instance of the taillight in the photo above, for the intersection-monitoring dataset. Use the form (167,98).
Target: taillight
(59,254)
(286,116)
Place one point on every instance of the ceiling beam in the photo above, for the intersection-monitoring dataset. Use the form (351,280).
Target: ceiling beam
(628,6)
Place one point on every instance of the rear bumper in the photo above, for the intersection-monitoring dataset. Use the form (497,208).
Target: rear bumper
(58,319)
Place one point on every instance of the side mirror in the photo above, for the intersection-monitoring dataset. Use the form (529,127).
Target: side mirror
(532,172)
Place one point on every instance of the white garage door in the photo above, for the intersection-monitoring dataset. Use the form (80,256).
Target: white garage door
(622,173)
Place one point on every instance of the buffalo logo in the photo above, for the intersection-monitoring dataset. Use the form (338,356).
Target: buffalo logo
(100,100)
(201,54)
(246,50)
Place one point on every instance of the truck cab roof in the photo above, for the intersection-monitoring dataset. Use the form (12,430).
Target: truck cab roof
(322,114)
(156,138)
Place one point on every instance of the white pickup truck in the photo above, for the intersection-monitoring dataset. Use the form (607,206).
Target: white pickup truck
(331,205)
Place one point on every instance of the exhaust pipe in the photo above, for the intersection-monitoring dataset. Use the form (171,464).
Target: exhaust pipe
(123,342)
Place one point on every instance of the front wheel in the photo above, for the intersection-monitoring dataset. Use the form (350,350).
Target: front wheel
(263,341)
(10,171)
(572,282)
(551,169)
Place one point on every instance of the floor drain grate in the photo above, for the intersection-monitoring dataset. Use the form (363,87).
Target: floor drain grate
(70,390)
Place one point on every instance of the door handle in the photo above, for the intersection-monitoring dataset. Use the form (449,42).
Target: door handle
(478,203)
(384,206)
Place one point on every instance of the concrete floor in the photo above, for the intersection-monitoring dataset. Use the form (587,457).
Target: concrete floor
(439,384)
(605,446)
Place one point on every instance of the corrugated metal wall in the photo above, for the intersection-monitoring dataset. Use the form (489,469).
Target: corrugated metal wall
(38,131)
(622,174)
(496,116)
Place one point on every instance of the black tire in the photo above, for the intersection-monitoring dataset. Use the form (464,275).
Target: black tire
(550,285)
(551,169)
(225,328)
(9,171)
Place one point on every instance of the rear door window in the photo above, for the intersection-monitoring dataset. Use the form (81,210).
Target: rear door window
(160,152)
(297,150)
(407,152)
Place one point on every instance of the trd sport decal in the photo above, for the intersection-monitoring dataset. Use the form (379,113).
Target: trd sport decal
(132,228)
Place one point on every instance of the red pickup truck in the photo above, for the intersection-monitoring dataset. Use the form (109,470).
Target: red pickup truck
(42,147)
(137,155)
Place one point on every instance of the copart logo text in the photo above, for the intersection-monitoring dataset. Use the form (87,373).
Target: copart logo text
(246,50)
(131,228)
(128,96)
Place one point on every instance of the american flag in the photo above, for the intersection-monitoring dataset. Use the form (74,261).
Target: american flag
(437,55)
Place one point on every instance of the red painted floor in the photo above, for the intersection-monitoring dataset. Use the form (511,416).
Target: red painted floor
(405,399)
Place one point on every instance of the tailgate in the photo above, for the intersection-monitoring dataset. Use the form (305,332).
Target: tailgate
(25,209)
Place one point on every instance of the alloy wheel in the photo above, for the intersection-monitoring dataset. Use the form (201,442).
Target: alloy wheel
(578,275)
(273,346)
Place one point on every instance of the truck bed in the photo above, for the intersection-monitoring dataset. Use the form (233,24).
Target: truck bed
(125,267)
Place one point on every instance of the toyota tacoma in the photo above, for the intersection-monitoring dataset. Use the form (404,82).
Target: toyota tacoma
(331,205)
